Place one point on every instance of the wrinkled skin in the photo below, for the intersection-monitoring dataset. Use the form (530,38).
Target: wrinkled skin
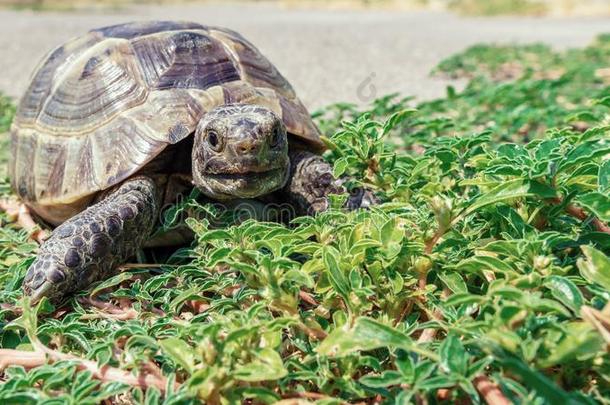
(92,244)
(239,151)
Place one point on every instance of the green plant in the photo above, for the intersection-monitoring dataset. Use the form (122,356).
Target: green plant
(7,110)
(484,272)
(498,7)
(516,92)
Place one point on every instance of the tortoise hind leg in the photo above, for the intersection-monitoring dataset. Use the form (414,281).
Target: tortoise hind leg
(91,245)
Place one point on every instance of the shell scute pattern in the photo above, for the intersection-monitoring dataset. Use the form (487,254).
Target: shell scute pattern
(254,67)
(167,116)
(138,29)
(41,83)
(90,66)
(91,94)
(184,59)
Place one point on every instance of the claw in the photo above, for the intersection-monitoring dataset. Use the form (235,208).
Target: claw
(46,277)
(361,198)
(42,291)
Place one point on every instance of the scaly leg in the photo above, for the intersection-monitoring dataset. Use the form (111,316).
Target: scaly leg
(311,181)
(20,213)
(91,245)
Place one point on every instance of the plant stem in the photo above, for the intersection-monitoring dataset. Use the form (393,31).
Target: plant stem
(308,298)
(40,356)
(429,334)
(582,215)
(431,243)
(490,391)
(579,213)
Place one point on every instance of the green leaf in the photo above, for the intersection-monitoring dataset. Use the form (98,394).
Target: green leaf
(362,245)
(380,334)
(396,119)
(604,176)
(463,298)
(180,352)
(391,236)
(436,382)
(546,305)
(267,365)
(602,101)
(584,152)
(538,382)
(111,282)
(480,263)
(581,342)
(367,334)
(336,276)
(596,267)
(454,282)
(597,203)
(28,320)
(454,357)
(340,167)
(258,394)
(385,379)
(565,292)
(404,364)
(192,293)
(509,190)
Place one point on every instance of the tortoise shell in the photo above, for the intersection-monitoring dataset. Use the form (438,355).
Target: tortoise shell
(102,106)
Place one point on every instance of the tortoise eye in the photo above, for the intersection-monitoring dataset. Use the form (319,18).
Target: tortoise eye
(276,138)
(214,140)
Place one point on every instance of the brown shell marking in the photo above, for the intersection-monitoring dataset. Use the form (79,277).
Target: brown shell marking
(190,60)
(42,80)
(254,67)
(143,28)
(100,85)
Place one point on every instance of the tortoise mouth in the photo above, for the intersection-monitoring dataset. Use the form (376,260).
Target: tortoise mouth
(246,184)
(249,175)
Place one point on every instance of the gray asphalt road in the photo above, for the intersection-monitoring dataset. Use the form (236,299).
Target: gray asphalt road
(327,55)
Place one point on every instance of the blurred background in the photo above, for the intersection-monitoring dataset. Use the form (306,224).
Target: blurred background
(330,50)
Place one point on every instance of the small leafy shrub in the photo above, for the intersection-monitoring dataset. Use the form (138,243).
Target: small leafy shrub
(483,274)
(7,110)
(498,7)
(517,92)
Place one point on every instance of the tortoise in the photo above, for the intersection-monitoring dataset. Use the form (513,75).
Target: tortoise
(114,119)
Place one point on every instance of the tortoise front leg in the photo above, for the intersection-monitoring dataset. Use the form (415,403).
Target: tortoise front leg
(311,181)
(91,245)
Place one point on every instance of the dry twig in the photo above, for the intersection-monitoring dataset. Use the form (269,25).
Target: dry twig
(19,213)
(308,298)
(42,354)
(491,393)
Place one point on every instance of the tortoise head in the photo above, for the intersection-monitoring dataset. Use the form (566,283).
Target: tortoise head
(240,151)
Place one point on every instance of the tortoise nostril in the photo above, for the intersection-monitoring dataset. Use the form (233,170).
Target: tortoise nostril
(246,147)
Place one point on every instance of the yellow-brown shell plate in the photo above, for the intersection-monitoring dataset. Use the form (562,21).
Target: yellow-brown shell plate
(103,105)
